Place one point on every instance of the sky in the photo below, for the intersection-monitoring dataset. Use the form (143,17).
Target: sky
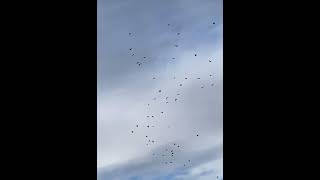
(127,92)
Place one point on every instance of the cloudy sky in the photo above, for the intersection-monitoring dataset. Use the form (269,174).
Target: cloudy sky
(128,92)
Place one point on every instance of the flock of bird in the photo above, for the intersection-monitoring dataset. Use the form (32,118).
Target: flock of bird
(170,151)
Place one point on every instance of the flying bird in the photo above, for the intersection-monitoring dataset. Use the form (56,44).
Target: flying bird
(131,131)
(180,84)
(195,54)
(130,49)
(209,60)
(178,34)
(129,33)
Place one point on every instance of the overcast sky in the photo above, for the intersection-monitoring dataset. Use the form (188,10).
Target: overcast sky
(125,89)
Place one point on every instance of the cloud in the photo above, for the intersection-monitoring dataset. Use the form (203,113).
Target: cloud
(125,89)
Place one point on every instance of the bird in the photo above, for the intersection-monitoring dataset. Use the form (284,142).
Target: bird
(152,116)
(212,84)
(178,94)
(148,104)
(167,98)
(166,102)
(146,136)
(180,84)
(202,86)
(213,23)
(129,33)
(147,116)
(209,60)
(168,24)
(144,57)
(130,49)
(195,54)
(197,134)
(178,33)
(175,99)
(152,141)
(136,125)
(153,78)
(132,55)
(174,144)
(159,91)
(131,131)
(178,146)
(161,112)
(148,126)
(189,160)
(173,58)
(176,45)
(185,78)
(198,78)
(210,75)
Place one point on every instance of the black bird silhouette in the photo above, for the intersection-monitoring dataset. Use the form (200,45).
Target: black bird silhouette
(148,104)
(189,160)
(148,126)
(195,54)
(178,146)
(129,33)
(180,84)
(153,78)
(176,45)
(152,116)
(175,99)
(197,134)
(173,58)
(159,90)
(131,131)
(144,57)
(166,102)
(178,33)
(178,94)
(185,78)
(209,60)
(152,141)
(167,98)
(130,49)
(161,112)
(147,116)
(136,125)
(202,86)
(213,23)
(198,78)
(210,75)
(168,24)
(174,144)
(146,136)
(132,55)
